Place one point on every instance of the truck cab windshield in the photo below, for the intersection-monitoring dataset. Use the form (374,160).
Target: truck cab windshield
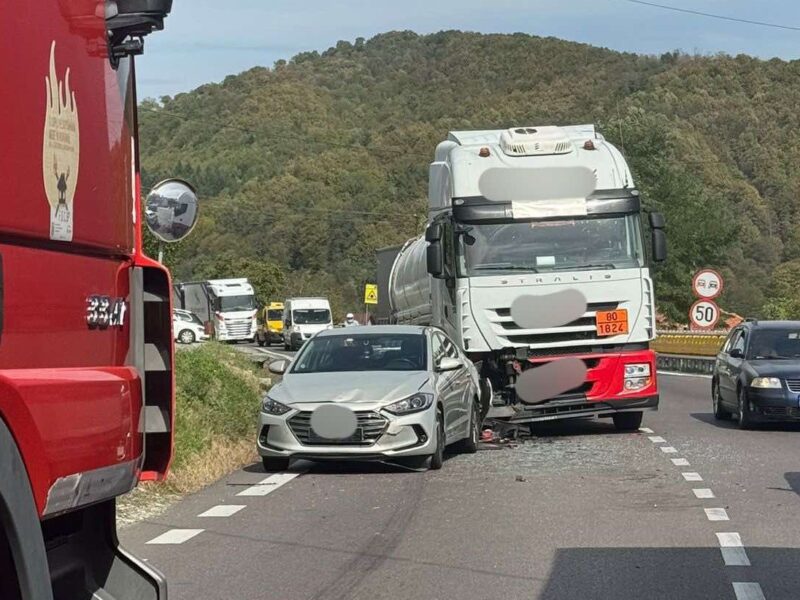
(232,303)
(311,316)
(575,244)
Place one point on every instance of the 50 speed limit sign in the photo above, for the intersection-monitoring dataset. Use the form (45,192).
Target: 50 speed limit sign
(704,314)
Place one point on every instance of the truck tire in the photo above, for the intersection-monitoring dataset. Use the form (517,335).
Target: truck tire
(19,522)
(629,421)
(274,463)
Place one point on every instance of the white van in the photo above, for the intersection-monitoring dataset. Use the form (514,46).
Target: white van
(302,318)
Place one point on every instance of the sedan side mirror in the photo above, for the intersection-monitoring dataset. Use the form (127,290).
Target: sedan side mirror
(278,366)
(448,363)
(737,353)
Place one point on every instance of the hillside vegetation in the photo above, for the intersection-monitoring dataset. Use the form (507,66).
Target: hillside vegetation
(306,168)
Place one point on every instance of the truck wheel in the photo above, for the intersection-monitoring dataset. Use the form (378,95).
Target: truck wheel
(20,529)
(275,463)
(186,336)
(720,414)
(630,421)
(469,445)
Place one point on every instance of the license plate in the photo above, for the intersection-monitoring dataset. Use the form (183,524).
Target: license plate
(612,322)
(358,436)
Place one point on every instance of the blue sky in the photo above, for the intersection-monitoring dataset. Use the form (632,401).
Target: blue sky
(206,40)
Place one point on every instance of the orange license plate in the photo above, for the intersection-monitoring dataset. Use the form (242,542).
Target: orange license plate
(612,322)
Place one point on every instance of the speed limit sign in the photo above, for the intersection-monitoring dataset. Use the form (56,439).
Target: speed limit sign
(704,314)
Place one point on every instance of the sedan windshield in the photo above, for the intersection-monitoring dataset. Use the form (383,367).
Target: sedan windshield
(311,316)
(576,244)
(363,352)
(231,303)
(774,344)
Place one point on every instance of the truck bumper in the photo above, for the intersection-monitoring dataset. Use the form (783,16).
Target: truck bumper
(570,409)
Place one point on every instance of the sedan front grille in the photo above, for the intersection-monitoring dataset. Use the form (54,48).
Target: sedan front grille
(781,411)
(369,428)
(793,385)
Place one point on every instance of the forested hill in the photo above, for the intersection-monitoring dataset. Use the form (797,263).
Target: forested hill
(306,168)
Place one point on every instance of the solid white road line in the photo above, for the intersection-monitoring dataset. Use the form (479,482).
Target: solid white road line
(703,493)
(674,374)
(735,557)
(656,439)
(268,485)
(222,510)
(692,476)
(175,536)
(716,514)
(645,430)
(680,462)
(747,591)
(668,449)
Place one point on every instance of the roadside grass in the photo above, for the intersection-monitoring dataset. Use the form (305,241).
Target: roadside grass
(217,398)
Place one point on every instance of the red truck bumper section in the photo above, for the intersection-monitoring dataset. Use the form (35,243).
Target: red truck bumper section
(615,382)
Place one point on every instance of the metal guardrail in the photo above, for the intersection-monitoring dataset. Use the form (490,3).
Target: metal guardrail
(686,343)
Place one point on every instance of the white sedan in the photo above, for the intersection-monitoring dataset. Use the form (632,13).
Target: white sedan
(371,393)
(187,327)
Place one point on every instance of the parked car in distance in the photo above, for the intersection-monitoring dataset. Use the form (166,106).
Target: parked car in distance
(407,390)
(187,327)
(756,376)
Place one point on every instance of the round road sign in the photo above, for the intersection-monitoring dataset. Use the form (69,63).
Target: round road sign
(704,314)
(707,283)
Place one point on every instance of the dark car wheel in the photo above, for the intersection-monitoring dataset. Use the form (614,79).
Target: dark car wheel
(719,412)
(745,417)
(469,445)
(275,463)
(437,458)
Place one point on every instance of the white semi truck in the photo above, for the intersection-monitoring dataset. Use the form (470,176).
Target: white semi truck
(532,211)
(227,306)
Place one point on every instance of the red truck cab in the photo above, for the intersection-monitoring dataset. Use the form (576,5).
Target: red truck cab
(86,369)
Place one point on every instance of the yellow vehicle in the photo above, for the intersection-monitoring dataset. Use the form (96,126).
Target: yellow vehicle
(270,327)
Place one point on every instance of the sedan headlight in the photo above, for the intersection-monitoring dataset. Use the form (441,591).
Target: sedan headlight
(412,404)
(273,407)
(766,382)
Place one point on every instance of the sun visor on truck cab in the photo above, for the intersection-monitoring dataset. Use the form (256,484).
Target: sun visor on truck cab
(543,193)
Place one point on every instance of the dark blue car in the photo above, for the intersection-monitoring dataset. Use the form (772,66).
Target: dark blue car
(757,374)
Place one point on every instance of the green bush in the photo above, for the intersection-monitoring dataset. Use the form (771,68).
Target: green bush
(217,398)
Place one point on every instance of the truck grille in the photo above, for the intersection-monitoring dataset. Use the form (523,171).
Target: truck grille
(793,385)
(579,330)
(238,327)
(370,426)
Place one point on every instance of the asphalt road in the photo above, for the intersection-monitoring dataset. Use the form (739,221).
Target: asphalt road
(578,512)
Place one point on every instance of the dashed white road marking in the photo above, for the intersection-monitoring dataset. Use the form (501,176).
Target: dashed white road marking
(730,540)
(668,449)
(175,536)
(692,476)
(716,514)
(222,510)
(703,493)
(656,439)
(268,485)
(747,591)
(645,430)
(735,557)
(680,462)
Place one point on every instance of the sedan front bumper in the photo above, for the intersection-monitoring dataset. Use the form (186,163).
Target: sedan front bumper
(409,435)
(768,405)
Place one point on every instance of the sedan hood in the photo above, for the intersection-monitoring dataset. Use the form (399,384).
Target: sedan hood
(348,387)
(784,369)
